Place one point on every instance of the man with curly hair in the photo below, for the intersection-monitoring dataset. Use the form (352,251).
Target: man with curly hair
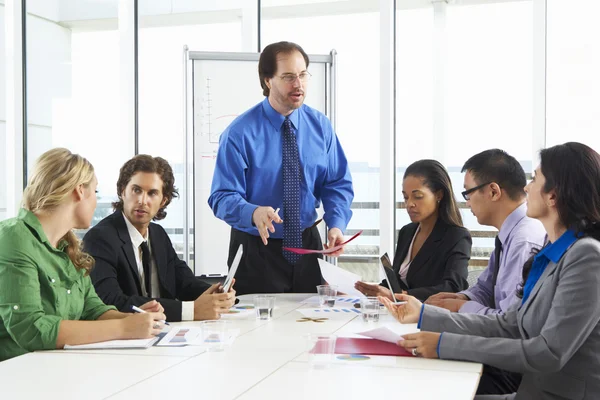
(135,259)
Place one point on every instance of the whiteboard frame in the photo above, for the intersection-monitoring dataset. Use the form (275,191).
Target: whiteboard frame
(330,89)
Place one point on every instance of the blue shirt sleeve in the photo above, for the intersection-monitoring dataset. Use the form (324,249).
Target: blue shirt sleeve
(337,192)
(421,316)
(437,350)
(228,190)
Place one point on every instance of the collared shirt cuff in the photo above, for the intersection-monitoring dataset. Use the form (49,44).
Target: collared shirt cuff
(421,316)
(187,310)
(466,293)
(438,346)
(246,215)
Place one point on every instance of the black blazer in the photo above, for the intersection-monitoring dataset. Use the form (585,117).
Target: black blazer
(441,265)
(116,277)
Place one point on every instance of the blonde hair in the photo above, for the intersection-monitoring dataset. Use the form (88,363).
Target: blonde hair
(56,174)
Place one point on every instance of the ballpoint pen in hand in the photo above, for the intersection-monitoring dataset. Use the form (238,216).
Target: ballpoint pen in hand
(139,310)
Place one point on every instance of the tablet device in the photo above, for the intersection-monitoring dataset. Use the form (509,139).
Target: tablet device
(382,271)
(234,266)
(385,260)
(391,277)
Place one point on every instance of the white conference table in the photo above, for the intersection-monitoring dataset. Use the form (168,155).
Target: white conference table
(268,360)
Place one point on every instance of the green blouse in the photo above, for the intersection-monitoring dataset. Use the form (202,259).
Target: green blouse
(39,287)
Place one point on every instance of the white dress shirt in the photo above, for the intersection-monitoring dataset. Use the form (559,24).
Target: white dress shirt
(187,307)
(406,263)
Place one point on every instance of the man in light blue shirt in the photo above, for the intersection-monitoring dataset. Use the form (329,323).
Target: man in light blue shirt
(250,180)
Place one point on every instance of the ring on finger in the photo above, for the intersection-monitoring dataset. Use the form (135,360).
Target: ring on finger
(156,325)
(414,352)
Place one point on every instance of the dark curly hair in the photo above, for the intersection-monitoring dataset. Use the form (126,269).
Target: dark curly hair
(146,163)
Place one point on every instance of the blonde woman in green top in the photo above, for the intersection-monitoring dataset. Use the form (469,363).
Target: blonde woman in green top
(46,297)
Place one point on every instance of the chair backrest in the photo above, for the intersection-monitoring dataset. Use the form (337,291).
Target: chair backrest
(473,275)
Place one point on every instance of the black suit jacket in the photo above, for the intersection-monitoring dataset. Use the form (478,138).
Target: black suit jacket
(116,277)
(441,265)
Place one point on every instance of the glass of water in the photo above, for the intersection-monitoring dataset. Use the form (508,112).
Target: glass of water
(327,295)
(214,334)
(264,305)
(369,308)
(321,349)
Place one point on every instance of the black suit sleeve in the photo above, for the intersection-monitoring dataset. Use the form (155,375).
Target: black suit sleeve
(188,286)
(455,271)
(105,276)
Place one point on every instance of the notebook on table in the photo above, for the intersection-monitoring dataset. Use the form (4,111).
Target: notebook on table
(116,344)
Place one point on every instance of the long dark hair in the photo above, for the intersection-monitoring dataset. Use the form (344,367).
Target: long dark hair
(436,178)
(572,170)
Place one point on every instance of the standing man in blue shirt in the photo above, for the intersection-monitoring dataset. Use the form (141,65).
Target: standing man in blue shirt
(281,154)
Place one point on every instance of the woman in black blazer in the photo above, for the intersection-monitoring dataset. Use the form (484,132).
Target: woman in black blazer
(433,251)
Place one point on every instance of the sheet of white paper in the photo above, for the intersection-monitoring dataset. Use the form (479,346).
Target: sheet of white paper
(340,301)
(181,336)
(344,280)
(382,333)
(189,336)
(241,311)
(115,344)
(330,313)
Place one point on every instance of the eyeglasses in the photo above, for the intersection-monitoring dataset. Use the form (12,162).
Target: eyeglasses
(291,78)
(466,194)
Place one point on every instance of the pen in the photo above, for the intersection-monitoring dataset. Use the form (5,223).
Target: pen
(137,309)
(277,212)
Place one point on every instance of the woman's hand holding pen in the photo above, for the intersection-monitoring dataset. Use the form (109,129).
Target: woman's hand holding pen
(405,313)
(142,325)
(263,218)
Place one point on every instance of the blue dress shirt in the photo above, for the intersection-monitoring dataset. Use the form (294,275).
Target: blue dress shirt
(248,171)
(552,252)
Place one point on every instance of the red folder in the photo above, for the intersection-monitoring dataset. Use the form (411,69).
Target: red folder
(372,347)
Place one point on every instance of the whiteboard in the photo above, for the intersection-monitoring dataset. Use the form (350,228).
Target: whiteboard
(224,85)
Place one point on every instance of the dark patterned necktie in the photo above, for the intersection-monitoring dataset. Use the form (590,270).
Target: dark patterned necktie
(497,250)
(292,235)
(146,265)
